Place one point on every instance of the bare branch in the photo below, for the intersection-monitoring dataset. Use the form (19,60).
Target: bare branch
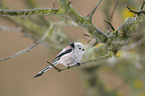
(135,12)
(17,29)
(65,8)
(89,61)
(113,10)
(134,45)
(56,68)
(68,23)
(53,2)
(90,15)
(27,49)
(142,5)
(82,21)
(28,12)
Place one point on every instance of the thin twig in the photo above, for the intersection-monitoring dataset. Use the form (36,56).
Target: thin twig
(142,5)
(110,25)
(27,49)
(89,61)
(116,3)
(27,12)
(90,37)
(134,45)
(64,9)
(17,29)
(53,2)
(135,12)
(82,21)
(68,23)
(56,68)
(87,35)
(90,15)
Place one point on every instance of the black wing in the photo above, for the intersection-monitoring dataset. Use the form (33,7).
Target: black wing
(61,54)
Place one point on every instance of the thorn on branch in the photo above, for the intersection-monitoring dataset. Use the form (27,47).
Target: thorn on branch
(111,26)
(135,12)
(88,36)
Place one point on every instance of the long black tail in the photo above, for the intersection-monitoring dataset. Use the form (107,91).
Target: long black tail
(44,70)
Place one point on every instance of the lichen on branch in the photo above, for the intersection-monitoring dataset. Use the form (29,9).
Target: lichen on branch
(28,12)
(65,8)
(82,21)
(114,41)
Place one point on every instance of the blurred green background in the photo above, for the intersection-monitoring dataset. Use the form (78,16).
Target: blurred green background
(123,76)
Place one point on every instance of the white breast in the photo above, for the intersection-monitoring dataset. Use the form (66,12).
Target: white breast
(71,58)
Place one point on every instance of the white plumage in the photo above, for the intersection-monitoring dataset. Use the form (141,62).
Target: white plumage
(69,56)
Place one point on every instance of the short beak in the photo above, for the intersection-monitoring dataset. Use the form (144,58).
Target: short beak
(83,49)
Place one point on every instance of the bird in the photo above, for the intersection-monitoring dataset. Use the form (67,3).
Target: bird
(70,55)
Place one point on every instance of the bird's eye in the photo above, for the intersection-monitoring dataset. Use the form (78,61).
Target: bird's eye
(79,48)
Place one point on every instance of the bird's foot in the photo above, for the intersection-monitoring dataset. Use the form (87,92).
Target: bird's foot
(78,64)
(68,67)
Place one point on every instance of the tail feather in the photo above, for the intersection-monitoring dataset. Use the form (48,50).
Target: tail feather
(41,72)
(44,70)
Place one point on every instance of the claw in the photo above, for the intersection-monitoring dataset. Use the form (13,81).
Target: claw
(68,66)
(78,64)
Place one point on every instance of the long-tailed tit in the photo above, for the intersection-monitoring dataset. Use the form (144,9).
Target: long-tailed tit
(69,56)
